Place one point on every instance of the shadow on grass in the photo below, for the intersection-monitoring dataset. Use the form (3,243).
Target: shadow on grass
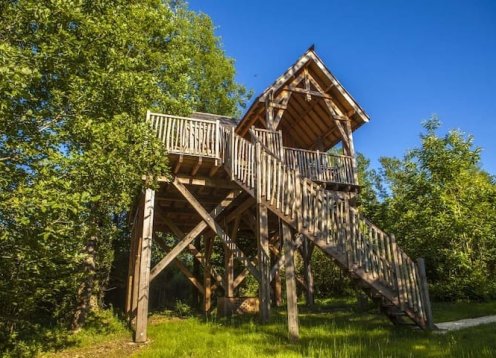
(336,330)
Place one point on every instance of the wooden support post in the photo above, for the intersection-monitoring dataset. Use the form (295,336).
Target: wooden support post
(134,261)
(425,293)
(144,281)
(276,277)
(207,278)
(196,273)
(263,262)
(229,262)
(351,151)
(136,269)
(291,298)
(307,251)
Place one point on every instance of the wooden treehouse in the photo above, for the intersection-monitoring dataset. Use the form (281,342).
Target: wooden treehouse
(272,174)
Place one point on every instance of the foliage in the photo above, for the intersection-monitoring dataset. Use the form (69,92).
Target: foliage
(182,309)
(442,206)
(329,279)
(76,78)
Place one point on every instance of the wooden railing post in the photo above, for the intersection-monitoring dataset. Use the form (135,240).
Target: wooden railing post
(425,293)
(258,171)
(217,139)
(397,270)
(231,151)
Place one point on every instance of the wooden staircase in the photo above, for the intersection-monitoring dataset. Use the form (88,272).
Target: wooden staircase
(367,254)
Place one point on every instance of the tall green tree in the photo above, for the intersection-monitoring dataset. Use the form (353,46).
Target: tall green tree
(442,206)
(76,79)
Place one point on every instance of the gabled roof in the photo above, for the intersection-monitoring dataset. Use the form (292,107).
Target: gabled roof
(317,125)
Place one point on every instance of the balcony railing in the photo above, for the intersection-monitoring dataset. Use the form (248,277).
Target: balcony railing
(208,138)
(321,166)
(183,135)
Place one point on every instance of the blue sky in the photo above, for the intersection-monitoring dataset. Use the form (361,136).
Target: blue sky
(401,60)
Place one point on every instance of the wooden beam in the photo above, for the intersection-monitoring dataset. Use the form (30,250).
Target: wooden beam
(136,262)
(277,287)
(197,166)
(307,92)
(146,253)
(280,262)
(238,254)
(178,164)
(229,262)
(263,262)
(184,270)
(424,289)
(206,181)
(306,253)
(207,280)
(291,297)
(237,281)
(351,151)
(214,169)
(191,236)
(133,257)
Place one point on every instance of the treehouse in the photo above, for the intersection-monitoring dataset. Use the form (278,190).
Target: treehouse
(275,174)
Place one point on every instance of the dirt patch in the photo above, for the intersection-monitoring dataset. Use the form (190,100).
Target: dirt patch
(116,348)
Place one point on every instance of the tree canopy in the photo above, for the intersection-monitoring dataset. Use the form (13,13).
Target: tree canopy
(441,206)
(76,79)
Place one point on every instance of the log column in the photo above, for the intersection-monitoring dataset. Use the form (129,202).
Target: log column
(263,262)
(207,278)
(291,297)
(306,253)
(145,248)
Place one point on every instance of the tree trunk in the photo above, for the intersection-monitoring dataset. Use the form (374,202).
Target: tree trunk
(86,297)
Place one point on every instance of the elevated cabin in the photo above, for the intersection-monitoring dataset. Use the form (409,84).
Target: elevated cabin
(300,118)
(276,174)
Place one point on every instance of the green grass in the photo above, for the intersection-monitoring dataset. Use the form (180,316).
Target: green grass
(103,331)
(324,334)
(445,312)
(333,329)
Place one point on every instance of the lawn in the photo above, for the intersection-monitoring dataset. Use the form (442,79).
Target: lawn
(334,329)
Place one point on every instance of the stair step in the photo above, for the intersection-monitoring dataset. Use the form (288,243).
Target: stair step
(396,313)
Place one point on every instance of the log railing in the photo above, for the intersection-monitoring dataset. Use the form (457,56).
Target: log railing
(187,135)
(271,140)
(321,166)
(329,220)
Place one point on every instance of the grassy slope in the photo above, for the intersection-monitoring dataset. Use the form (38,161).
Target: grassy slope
(334,331)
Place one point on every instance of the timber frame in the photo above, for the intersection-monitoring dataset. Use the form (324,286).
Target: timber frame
(274,176)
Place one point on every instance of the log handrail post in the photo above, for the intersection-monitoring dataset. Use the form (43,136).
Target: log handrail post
(258,171)
(217,139)
(425,293)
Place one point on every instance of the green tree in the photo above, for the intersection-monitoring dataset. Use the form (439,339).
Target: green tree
(442,206)
(76,79)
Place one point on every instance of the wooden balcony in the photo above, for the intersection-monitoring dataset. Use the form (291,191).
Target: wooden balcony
(208,139)
(189,136)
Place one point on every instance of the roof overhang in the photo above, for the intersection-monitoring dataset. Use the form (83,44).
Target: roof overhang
(305,102)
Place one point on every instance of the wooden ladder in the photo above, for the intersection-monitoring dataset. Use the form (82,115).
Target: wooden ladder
(367,254)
